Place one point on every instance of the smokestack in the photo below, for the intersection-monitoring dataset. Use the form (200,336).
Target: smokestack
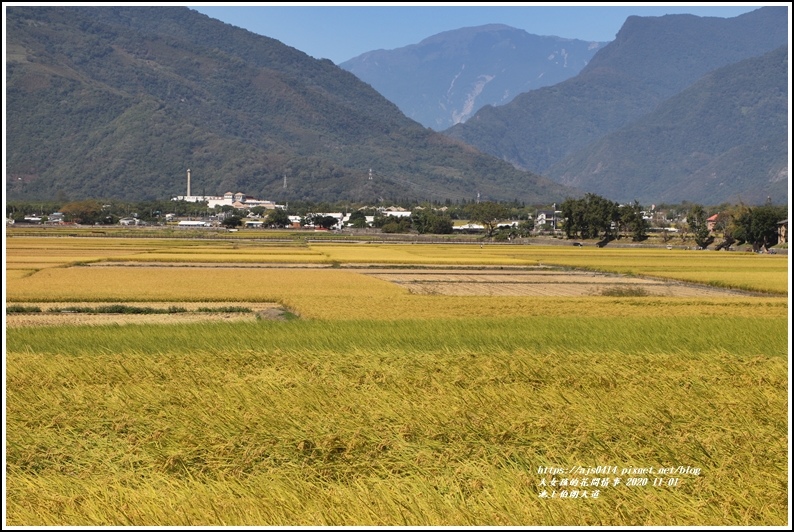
(188,182)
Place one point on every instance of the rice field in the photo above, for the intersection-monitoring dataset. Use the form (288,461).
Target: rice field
(385,404)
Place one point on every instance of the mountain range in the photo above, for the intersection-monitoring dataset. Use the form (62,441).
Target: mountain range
(650,60)
(118,102)
(725,137)
(446,78)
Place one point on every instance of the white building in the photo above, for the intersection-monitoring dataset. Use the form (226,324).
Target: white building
(238,200)
(194,223)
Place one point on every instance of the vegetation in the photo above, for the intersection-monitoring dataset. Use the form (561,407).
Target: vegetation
(593,215)
(368,405)
(758,225)
(434,422)
(632,220)
(277,218)
(698,225)
(121,100)
(722,139)
(119,309)
(232,221)
(664,147)
(489,214)
(589,217)
(431,221)
(620,291)
(22,309)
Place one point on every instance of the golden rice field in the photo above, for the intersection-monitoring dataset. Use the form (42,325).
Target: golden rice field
(405,394)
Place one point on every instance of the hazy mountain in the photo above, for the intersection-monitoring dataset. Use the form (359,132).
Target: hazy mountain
(724,139)
(117,102)
(650,60)
(446,78)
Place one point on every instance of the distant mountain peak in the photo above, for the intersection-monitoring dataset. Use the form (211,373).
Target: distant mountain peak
(429,83)
(651,60)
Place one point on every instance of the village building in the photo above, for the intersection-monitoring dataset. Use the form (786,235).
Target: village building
(238,200)
(782,232)
(711,221)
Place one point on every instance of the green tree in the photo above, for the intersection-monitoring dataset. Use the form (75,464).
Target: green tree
(320,220)
(697,223)
(589,216)
(489,214)
(277,218)
(395,224)
(441,224)
(572,212)
(259,210)
(231,222)
(601,215)
(83,212)
(358,220)
(430,221)
(631,219)
(758,225)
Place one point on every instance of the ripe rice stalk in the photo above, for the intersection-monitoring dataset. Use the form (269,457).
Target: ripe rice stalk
(443,423)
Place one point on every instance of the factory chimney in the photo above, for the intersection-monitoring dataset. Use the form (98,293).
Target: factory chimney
(188,182)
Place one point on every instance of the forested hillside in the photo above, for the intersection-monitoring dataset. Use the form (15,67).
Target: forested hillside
(120,101)
(724,139)
(650,60)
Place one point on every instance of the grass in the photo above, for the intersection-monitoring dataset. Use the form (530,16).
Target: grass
(119,309)
(624,291)
(22,309)
(123,309)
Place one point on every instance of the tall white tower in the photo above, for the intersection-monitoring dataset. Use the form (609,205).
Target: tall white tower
(188,182)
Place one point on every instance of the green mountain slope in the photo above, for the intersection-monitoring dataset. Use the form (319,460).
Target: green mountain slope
(119,101)
(723,139)
(650,60)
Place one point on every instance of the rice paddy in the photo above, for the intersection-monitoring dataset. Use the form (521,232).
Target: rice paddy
(393,400)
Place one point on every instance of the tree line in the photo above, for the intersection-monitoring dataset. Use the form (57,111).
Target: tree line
(588,217)
(596,217)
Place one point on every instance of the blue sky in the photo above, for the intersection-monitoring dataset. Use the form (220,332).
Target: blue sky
(339,31)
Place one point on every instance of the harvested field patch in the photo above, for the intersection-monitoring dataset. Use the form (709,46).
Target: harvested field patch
(537,282)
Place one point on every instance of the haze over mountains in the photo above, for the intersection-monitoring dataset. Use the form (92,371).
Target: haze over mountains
(651,60)
(119,102)
(446,78)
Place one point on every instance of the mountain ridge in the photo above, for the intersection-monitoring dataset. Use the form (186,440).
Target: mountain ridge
(120,101)
(704,142)
(650,60)
(445,78)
